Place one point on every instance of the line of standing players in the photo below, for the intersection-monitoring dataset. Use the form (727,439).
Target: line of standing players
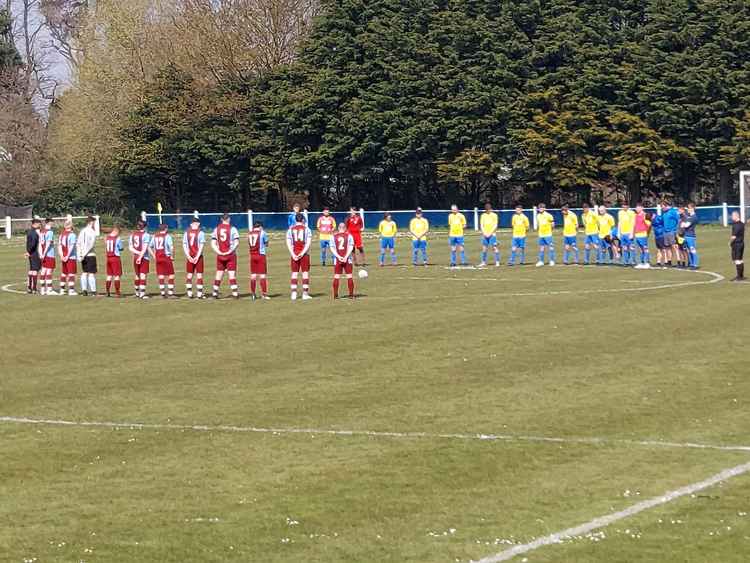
(159,249)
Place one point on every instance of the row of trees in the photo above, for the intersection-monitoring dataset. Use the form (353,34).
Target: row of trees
(392,103)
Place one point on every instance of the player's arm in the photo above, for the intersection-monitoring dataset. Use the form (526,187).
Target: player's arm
(235,234)
(169,247)
(308,242)
(150,247)
(131,248)
(186,247)
(349,248)
(201,245)
(290,245)
(215,244)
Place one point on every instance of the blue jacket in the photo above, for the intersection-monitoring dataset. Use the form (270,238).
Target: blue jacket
(657,224)
(671,220)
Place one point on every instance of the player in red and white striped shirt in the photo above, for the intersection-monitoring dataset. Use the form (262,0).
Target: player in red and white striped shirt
(343,248)
(298,240)
(224,241)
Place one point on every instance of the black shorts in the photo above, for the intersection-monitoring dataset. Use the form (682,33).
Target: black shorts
(670,239)
(35,263)
(738,251)
(88,265)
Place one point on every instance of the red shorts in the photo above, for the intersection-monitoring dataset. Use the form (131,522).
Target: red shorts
(357,240)
(141,268)
(301,265)
(258,264)
(228,263)
(343,267)
(196,268)
(48,263)
(114,266)
(165,267)
(70,267)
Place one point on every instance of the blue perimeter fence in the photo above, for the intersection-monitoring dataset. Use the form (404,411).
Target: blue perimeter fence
(717,214)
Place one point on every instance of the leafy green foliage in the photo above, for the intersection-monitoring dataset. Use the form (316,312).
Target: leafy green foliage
(399,102)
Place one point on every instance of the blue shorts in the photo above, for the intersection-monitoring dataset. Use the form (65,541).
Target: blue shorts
(625,240)
(604,244)
(546,241)
(325,244)
(570,241)
(592,239)
(419,244)
(519,242)
(642,242)
(387,242)
(456,241)
(489,241)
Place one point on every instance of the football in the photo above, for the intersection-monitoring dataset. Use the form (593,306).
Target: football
(362,274)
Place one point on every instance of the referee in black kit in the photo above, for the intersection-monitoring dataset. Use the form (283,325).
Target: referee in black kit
(32,253)
(737,243)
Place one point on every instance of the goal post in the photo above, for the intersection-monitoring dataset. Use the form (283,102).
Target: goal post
(744,194)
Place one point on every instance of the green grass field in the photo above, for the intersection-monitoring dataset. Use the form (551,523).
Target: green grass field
(608,360)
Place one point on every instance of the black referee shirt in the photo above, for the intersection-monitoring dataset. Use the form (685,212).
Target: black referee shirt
(32,241)
(738,232)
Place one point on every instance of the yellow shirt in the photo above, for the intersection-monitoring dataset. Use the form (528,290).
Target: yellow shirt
(456,222)
(326,227)
(545,222)
(626,221)
(387,229)
(419,227)
(520,225)
(570,224)
(591,222)
(488,223)
(606,222)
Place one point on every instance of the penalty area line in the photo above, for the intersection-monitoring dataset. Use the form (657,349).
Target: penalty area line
(607,519)
(517,438)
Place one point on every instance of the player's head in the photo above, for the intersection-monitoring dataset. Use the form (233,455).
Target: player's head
(226,219)
(195,223)
(418,212)
(140,225)
(488,207)
(257,225)
(625,206)
(36,223)
(353,210)
(585,207)
(342,227)
(299,219)
(90,221)
(296,208)
(665,204)
(602,210)
(163,228)
(639,207)
(48,222)
(115,230)
(565,209)
(454,208)
(68,224)
(387,216)
(326,211)
(691,208)
(542,207)
(519,209)
(736,217)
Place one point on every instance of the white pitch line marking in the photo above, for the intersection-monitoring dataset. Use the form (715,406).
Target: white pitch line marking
(372,433)
(715,278)
(607,519)
(7,287)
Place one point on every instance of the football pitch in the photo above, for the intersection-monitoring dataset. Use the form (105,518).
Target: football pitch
(444,416)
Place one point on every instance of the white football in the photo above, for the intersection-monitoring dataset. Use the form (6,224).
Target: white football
(362,274)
